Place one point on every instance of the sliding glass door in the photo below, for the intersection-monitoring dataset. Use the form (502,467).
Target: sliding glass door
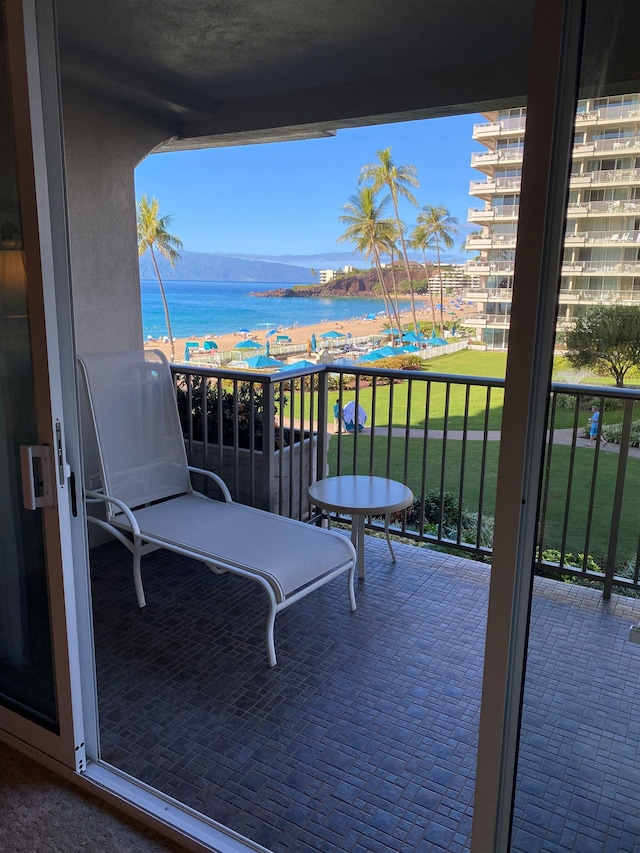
(35,483)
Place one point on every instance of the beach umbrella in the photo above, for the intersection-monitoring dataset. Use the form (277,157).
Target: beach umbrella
(244,331)
(383,352)
(435,341)
(412,337)
(368,356)
(187,354)
(300,365)
(332,334)
(439,307)
(210,345)
(267,349)
(272,332)
(408,348)
(263,361)
(314,342)
(248,344)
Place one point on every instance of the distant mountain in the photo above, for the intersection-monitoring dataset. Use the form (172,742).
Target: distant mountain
(213,266)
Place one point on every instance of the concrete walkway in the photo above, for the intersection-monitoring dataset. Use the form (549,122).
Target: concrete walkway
(560,436)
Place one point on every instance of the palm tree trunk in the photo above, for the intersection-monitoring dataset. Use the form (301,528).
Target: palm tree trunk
(395,286)
(441,290)
(433,304)
(164,305)
(406,260)
(383,286)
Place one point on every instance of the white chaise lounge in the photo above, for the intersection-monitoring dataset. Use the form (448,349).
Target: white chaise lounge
(145,485)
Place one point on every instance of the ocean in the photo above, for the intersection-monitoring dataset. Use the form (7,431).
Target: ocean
(199,308)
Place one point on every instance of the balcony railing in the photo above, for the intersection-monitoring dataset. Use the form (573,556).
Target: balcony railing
(438,433)
(498,211)
(576,208)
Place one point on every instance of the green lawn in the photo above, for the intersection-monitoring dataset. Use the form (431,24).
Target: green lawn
(463,363)
(406,463)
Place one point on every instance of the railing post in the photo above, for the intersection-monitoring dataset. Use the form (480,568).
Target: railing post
(323,410)
(617,496)
(268,445)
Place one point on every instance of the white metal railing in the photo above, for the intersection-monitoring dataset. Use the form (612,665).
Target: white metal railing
(575,208)
(497,156)
(498,211)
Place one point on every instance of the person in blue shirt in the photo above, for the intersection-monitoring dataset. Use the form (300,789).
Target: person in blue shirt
(337,417)
(593,426)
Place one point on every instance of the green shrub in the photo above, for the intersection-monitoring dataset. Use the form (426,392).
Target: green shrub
(552,555)
(613,433)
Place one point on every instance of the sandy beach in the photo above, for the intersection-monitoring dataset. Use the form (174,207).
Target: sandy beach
(302,334)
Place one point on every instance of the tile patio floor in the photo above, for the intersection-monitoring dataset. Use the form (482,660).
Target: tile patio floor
(363,738)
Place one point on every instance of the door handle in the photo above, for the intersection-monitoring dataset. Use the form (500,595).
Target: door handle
(36,465)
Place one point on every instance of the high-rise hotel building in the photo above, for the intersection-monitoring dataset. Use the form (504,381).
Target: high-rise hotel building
(601,262)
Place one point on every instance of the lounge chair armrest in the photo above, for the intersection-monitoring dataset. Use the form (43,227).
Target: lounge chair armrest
(218,480)
(100,496)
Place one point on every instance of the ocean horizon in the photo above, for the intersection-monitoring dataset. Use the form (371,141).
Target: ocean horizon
(199,308)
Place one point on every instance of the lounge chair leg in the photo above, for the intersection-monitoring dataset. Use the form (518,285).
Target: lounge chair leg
(271,646)
(137,576)
(351,579)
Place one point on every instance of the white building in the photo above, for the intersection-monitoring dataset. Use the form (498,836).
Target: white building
(602,246)
(326,275)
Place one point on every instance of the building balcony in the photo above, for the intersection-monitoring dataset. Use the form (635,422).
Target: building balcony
(607,115)
(491,186)
(629,145)
(365,735)
(479,159)
(605,177)
(491,214)
(496,129)
(598,297)
(578,209)
(478,242)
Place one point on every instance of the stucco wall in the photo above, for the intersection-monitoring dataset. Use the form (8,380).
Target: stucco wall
(103,144)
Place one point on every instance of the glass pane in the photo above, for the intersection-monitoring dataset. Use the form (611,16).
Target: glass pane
(26,660)
(577,768)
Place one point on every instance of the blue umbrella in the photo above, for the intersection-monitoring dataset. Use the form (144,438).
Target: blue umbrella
(272,332)
(299,365)
(267,349)
(314,342)
(262,361)
(412,337)
(210,345)
(332,334)
(408,348)
(244,331)
(435,341)
(369,356)
(249,344)
(187,354)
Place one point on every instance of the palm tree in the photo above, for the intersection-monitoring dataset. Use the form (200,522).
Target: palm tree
(152,235)
(423,240)
(370,234)
(391,248)
(441,228)
(397,179)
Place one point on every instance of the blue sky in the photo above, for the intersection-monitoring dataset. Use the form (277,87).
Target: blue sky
(284,199)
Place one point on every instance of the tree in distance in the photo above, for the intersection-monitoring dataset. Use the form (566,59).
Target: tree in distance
(152,235)
(607,337)
(371,234)
(435,224)
(398,179)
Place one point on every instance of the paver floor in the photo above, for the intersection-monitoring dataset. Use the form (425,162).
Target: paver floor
(363,738)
